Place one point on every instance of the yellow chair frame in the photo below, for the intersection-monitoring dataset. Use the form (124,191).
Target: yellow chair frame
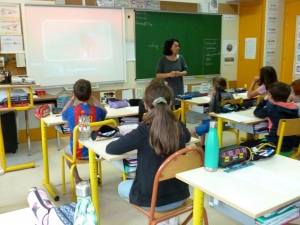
(227,83)
(288,127)
(233,101)
(183,160)
(72,158)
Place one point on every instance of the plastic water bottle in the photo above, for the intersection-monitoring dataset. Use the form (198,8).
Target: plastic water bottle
(84,127)
(211,159)
(85,212)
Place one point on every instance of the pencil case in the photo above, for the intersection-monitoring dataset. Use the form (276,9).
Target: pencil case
(233,154)
(42,111)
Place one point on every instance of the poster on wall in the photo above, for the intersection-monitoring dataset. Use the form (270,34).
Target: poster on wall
(10,23)
(250,48)
(229,47)
(297,47)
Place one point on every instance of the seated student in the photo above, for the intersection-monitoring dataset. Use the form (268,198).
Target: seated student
(295,94)
(83,93)
(142,109)
(278,109)
(267,77)
(203,127)
(157,137)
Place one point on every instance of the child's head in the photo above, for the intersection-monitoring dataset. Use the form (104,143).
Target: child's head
(219,81)
(279,91)
(267,76)
(82,90)
(296,87)
(164,128)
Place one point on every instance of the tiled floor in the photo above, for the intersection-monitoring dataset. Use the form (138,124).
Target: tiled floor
(14,186)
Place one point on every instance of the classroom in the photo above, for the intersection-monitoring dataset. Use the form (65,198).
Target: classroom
(245,35)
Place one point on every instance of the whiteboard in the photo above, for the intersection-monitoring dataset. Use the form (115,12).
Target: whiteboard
(64,44)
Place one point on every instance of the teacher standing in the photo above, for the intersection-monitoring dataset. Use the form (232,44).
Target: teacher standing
(172,67)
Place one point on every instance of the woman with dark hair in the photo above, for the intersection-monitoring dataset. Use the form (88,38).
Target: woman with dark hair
(172,67)
(267,77)
(156,138)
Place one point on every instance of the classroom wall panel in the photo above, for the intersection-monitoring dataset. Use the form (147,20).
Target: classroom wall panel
(250,26)
(292,10)
(178,6)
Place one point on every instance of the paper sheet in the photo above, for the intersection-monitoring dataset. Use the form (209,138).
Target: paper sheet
(127,94)
(133,108)
(266,179)
(237,118)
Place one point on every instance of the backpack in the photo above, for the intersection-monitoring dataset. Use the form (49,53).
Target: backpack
(46,213)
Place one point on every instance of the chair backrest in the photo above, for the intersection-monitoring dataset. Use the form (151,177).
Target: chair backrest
(227,83)
(232,101)
(183,160)
(287,127)
(94,126)
(176,112)
(259,97)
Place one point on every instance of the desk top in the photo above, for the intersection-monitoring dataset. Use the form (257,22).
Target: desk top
(100,146)
(205,99)
(54,119)
(22,216)
(243,117)
(19,85)
(255,190)
(45,97)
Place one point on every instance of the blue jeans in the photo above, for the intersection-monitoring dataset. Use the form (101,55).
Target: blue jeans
(124,189)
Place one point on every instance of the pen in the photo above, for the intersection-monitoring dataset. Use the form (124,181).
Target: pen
(58,115)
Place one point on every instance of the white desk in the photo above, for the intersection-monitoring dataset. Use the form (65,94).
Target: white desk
(22,216)
(274,183)
(52,120)
(185,103)
(99,147)
(245,118)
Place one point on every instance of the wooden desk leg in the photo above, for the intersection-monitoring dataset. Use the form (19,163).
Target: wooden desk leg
(94,182)
(198,207)
(11,168)
(46,180)
(220,131)
(182,116)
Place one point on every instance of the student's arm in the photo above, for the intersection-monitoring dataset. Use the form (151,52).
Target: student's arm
(124,144)
(97,103)
(251,92)
(70,102)
(261,110)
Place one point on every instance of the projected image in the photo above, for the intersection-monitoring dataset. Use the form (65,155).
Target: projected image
(76,40)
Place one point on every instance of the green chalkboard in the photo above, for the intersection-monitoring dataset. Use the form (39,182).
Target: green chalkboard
(199,36)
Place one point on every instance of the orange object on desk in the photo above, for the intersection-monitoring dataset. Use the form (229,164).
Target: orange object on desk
(40,92)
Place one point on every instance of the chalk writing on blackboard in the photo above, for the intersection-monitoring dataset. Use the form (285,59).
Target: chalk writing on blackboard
(145,24)
(153,46)
(211,51)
